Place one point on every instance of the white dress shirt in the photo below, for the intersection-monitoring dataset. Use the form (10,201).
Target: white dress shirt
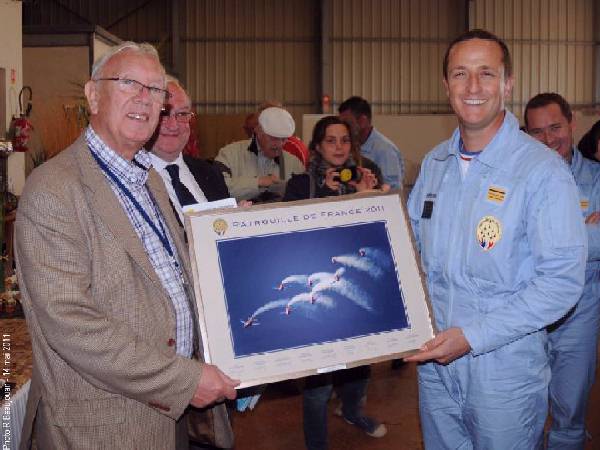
(186,178)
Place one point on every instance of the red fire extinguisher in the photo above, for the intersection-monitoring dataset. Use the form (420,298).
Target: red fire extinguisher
(20,127)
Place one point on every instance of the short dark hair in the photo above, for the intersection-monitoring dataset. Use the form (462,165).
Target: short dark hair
(588,145)
(320,130)
(478,33)
(545,99)
(357,105)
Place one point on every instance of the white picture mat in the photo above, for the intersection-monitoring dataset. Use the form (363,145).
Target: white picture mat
(296,362)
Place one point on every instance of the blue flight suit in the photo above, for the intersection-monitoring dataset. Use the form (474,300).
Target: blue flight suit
(504,252)
(573,339)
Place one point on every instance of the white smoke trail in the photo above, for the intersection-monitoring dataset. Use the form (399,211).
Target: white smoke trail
(269,306)
(295,279)
(346,289)
(303,297)
(326,302)
(302,304)
(322,286)
(359,263)
(325,277)
(379,257)
(319,277)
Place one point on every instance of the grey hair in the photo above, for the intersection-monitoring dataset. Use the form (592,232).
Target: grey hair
(144,48)
(176,82)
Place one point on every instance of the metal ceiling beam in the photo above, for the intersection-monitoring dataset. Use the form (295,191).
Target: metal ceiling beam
(127,14)
(72,11)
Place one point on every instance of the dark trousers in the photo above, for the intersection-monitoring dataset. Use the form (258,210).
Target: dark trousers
(351,385)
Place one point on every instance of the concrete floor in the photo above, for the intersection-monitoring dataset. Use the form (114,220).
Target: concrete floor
(276,422)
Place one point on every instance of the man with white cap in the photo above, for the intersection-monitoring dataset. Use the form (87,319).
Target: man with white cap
(257,169)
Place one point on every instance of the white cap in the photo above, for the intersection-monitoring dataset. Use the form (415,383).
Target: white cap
(277,122)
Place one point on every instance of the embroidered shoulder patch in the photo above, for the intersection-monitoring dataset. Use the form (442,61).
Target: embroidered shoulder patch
(488,233)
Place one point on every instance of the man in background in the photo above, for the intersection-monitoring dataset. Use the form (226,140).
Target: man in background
(573,340)
(187,180)
(293,145)
(258,169)
(374,145)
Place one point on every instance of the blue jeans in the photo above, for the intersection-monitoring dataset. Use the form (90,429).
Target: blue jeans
(351,385)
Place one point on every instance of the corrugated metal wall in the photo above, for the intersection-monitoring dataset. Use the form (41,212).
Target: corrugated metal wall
(390,52)
(551,42)
(239,53)
(136,20)
(75,12)
(150,22)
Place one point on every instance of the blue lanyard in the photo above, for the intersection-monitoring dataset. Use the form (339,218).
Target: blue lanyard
(162,235)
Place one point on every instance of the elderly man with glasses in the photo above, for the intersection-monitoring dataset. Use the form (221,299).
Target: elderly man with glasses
(257,169)
(105,279)
(187,180)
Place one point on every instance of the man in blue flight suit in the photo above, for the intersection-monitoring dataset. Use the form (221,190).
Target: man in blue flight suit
(503,246)
(573,339)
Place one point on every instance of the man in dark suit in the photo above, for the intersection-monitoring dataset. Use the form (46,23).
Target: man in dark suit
(188,180)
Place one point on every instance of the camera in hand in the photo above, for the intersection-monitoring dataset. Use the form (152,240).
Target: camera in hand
(347,174)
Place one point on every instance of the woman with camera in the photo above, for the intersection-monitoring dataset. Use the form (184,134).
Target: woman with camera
(336,168)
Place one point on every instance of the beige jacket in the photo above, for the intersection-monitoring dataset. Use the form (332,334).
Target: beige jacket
(242,182)
(102,326)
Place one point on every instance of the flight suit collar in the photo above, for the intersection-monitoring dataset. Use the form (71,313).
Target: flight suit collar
(576,161)
(496,151)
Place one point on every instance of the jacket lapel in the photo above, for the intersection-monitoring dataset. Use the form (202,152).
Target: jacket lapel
(157,188)
(108,208)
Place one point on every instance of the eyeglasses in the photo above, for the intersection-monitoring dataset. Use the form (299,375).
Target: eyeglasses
(134,87)
(180,116)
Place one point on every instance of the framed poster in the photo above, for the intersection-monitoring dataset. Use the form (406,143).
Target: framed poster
(292,289)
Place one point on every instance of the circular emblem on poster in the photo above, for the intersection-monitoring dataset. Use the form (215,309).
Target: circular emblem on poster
(220,226)
(489,232)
